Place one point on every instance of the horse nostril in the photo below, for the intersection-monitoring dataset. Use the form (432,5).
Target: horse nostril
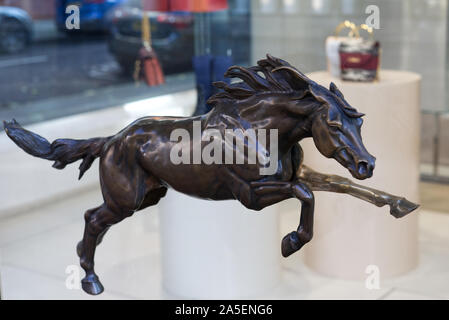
(363,168)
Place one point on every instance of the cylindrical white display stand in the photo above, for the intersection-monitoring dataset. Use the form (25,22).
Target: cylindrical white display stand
(350,234)
(217,249)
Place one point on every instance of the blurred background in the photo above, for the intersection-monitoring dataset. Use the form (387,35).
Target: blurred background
(84,82)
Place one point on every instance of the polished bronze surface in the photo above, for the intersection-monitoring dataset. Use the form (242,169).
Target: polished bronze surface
(136,167)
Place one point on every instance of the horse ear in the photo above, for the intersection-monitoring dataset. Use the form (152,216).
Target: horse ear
(334,118)
(333,88)
(350,111)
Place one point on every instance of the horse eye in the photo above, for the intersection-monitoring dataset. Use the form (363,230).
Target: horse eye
(335,129)
(335,124)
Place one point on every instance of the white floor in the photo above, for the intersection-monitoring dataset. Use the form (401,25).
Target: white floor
(39,246)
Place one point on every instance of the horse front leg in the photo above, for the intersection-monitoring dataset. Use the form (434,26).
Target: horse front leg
(399,206)
(295,240)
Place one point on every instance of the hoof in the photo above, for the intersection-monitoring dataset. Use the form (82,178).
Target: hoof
(290,244)
(92,285)
(79,249)
(402,207)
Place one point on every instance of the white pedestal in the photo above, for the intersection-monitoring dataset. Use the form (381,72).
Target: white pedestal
(350,234)
(217,249)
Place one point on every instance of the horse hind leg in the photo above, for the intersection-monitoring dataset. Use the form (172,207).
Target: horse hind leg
(97,221)
(79,247)
(151,199)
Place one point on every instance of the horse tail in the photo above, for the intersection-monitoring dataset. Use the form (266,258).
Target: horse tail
(62,151)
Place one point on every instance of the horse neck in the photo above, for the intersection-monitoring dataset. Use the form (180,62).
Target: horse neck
(277,112)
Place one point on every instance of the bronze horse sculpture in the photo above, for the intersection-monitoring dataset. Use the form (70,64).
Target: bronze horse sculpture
(136,171)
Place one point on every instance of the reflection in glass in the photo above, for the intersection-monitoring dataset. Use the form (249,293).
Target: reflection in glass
(290,6)
(348,7)
(320,6)
(267,6)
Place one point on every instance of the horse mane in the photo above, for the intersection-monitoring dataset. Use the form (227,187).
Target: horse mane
(262,79)
(253,82)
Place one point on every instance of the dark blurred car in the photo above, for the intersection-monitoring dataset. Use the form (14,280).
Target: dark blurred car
(171,35)
(92,14)
(16,29)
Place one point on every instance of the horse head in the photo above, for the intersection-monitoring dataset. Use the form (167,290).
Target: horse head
(336,126)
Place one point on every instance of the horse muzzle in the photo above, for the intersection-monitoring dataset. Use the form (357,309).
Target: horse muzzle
(359,168)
